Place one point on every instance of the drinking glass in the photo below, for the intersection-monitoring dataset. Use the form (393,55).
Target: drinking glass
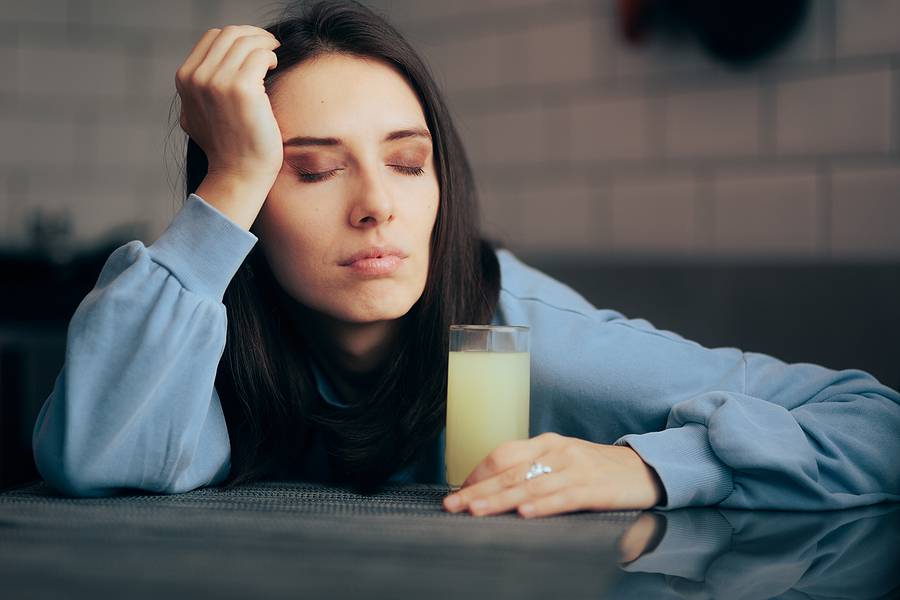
(488,394)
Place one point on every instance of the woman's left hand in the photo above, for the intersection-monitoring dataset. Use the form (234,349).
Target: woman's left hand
(585,476)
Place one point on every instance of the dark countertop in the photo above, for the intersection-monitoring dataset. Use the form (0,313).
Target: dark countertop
(292,539)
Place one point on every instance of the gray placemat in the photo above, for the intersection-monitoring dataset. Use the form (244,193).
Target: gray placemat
(281,539)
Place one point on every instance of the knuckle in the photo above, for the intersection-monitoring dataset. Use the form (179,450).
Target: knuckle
(550,436)
(215,87)
(504,454)
(194,80)
(512,477)
(262,54)
(492,461)
(231,29)
(571,451)
(243,42)
(223,85)
(242,86)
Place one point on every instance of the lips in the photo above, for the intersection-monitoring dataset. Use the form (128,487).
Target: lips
(391,253)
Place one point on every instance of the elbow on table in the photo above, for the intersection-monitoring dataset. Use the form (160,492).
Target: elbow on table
(69,479)
(88,477)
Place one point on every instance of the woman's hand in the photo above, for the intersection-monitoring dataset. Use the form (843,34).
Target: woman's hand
(586,476)
(224,106)
(226,111)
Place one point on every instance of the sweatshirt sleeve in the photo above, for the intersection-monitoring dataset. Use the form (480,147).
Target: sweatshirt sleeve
(789,437)
(134,406)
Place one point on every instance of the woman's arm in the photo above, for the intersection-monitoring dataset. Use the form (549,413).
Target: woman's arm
(716,425)
(795,437)
(134,405)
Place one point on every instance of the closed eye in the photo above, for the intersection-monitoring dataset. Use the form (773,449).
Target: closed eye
(313,177)
(409,170)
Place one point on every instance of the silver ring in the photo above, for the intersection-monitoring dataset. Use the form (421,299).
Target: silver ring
(537,469)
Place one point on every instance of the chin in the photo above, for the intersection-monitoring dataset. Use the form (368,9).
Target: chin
(375,305)
(370,314)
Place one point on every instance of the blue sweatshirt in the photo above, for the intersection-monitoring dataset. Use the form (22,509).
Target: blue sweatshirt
(135,407)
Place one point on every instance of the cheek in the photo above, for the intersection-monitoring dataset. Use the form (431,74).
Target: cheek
(429,208)
(293,242)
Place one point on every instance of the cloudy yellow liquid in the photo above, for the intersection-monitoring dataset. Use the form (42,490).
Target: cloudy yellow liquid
(487,404)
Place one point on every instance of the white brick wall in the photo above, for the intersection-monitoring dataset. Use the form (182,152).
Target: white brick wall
(713,124)
(867,27)
(865,219)
(655,217)
(835,114)
(146,14)
(559,52)
(30,141)
(771,215)
(467,63)
(656,150)
(507,138)
(563,220)
(46,11)
(9,66)
(71,71)
(610,129)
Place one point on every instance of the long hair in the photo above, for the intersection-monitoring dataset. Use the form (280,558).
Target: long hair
(265,382)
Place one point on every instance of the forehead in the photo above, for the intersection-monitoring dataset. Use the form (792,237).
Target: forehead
(342,95)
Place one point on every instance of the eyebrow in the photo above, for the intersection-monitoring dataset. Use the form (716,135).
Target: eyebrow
(301,141)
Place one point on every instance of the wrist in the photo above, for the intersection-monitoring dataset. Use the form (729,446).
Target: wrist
(657,490)
(239,197)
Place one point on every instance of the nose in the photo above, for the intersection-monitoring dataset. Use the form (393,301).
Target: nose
(372,205)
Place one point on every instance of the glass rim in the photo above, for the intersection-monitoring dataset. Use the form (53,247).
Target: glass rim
(519,328)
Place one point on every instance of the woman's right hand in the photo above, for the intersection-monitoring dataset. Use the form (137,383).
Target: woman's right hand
(224,105)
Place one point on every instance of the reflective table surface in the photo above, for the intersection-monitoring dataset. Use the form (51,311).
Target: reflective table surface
(291,540)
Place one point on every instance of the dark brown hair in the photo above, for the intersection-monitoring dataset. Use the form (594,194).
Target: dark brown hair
(268,392)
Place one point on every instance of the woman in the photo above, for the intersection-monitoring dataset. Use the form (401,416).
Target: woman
(325,140)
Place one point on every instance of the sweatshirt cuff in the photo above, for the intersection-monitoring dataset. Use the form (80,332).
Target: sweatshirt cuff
(690,471)
(203,248)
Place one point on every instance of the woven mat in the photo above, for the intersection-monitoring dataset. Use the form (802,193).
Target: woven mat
(281,539)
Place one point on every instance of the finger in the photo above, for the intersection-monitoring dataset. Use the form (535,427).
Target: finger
(244,47)
(258,63)
(196,55)
(220,46)
(523,493)
(510,478)
(512,453)
(568,500)
(560,457)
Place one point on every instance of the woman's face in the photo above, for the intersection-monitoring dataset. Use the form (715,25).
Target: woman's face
(358,177)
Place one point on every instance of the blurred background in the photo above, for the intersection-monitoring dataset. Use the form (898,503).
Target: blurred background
(727,170)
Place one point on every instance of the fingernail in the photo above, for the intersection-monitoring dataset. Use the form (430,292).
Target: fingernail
(527,509)
(451,502)
(479,504)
